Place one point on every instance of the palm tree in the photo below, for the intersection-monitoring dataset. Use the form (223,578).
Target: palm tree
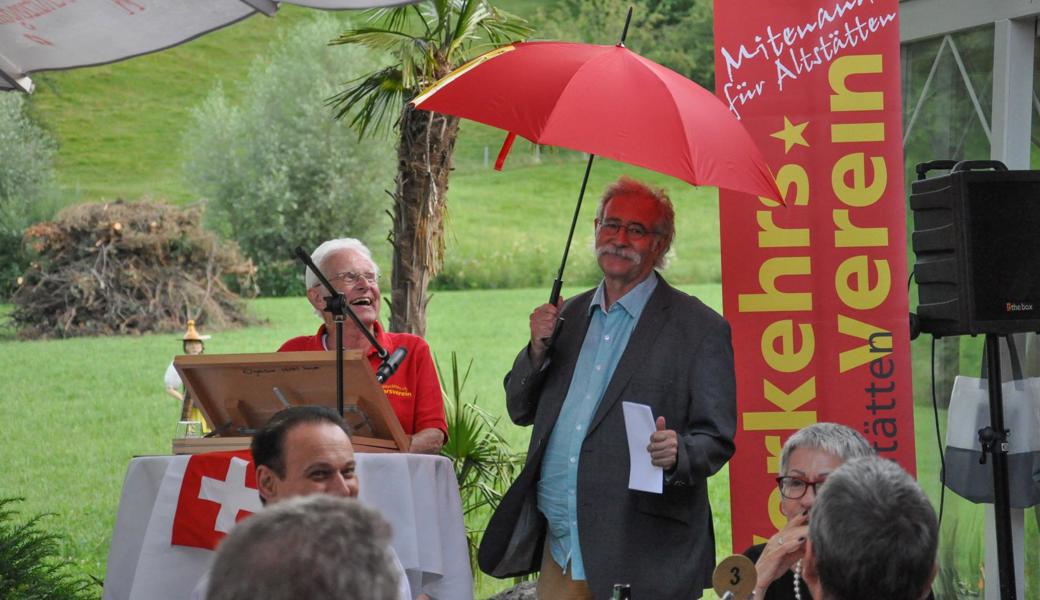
(427,41)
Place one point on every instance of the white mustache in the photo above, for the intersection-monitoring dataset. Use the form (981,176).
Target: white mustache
(625,253)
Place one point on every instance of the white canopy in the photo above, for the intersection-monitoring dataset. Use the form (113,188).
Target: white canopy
(45,35)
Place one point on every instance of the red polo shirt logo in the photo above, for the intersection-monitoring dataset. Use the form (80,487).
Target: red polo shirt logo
(218,490)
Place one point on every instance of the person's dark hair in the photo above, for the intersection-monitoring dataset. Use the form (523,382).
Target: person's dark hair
(184,344)
(268,443)
(318,547)
(874,533)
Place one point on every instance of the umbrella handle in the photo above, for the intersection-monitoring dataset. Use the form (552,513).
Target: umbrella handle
(554,295)
(550,341)
(556,333)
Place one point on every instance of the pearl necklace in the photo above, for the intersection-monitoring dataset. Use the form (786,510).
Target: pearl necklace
(797,580)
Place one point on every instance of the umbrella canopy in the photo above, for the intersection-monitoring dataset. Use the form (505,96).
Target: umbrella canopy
(607,101)
(46,35)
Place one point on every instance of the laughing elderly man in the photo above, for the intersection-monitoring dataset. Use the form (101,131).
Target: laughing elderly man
(414,390)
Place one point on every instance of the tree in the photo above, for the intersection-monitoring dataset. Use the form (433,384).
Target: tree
(279,172)
(426,41)
(674,33)
(27,184)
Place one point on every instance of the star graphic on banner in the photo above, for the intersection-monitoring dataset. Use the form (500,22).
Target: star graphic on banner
(232,494)
(792,134)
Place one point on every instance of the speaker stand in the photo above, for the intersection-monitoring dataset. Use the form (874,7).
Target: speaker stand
(995,443)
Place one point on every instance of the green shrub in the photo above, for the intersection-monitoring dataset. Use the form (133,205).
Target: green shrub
(31,566)
(27,184)
(485,465)
(278,170)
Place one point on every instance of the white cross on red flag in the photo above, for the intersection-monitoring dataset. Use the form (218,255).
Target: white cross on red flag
(217,491)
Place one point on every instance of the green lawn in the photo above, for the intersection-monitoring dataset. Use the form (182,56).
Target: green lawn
(77,410)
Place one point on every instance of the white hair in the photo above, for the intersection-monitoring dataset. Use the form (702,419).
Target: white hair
(835,439)
(322,253)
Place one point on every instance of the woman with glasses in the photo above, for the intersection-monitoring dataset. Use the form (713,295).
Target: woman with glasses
(807,458)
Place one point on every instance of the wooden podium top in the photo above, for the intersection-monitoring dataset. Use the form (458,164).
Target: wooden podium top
(239,393)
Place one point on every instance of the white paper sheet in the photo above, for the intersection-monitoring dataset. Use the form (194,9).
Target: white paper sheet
(639,426)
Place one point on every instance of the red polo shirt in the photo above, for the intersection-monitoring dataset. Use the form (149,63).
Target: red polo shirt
(414,390)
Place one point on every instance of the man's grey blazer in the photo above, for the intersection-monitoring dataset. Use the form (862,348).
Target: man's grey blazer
(679,361)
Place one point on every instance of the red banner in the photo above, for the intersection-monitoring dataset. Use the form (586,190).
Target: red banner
(815,291)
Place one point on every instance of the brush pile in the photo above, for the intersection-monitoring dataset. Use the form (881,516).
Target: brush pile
(129,268)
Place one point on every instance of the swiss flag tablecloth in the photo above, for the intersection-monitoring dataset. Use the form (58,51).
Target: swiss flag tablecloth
(217,490)
(198,500)
(175,509)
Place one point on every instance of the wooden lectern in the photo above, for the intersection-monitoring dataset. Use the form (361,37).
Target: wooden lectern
(238,393)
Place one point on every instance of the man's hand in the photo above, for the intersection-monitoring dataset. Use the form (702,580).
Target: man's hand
(543,321)
(427,441)
(664,447)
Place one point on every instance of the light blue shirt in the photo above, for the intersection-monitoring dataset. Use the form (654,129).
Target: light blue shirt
(605,342)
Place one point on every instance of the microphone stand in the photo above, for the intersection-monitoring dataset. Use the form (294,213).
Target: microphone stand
(336,305)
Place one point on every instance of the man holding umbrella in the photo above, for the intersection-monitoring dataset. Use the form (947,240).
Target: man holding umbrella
(634,339)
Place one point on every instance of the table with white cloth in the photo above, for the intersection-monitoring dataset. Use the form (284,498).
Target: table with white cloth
(417,494)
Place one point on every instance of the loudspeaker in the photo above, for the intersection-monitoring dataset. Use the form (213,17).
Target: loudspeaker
(977,239)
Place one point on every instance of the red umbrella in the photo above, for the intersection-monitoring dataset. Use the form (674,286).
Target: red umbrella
(607,101)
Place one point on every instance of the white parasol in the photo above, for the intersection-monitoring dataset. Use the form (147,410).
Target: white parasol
(47,35)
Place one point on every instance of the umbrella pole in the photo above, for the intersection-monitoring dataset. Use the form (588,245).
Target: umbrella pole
(554,296)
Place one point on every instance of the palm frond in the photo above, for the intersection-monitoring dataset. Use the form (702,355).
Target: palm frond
(440,16)
(484,22)
(373,100)
(504,26)
(379,38)
(426,40)
(392,18)
(484,463)
(470,14)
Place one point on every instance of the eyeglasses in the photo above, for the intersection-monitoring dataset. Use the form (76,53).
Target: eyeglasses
(352,278)
(794,488)
(635,231)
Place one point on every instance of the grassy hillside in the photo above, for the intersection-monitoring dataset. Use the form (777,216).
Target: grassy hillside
(119,126)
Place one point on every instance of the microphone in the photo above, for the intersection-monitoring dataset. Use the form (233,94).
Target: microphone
(734,578)
(389,366)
